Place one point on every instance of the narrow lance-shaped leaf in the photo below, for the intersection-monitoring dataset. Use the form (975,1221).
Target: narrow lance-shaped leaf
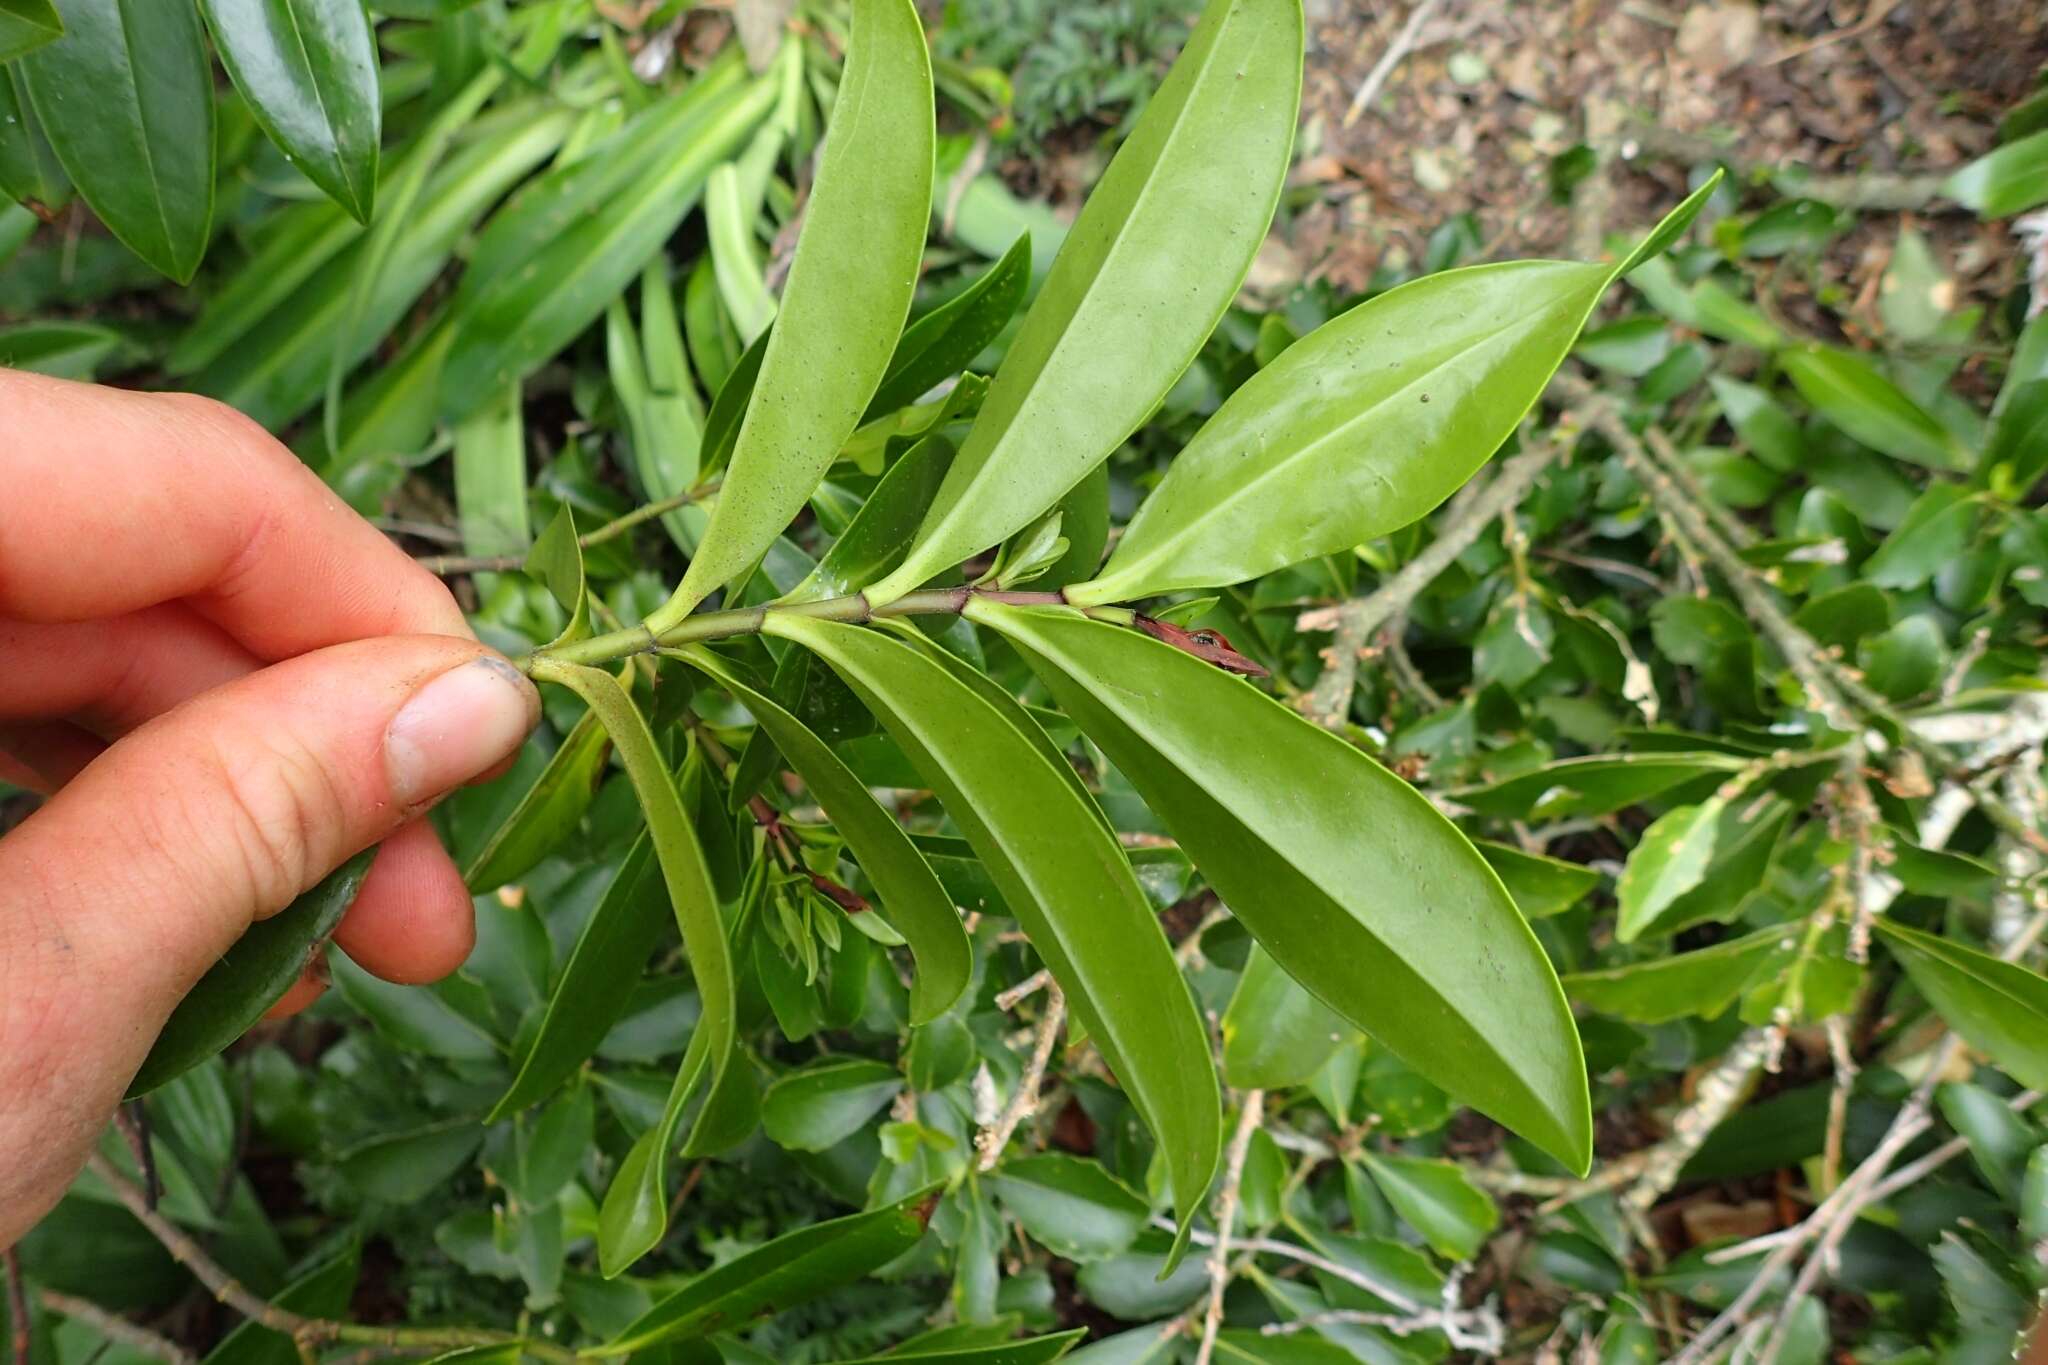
(612,947)
(1362,426)
(548,812)
(916,905)
(850,285)
(874,542)
(1062,874)
(2001,1007)
(1157,254)
(490,478)
(946,340)
(794,1267)
(250,977)
(1346,874)
(636,1210)
(1669,861)
(28,166)
(126,101)
(1853,394)
(309,71)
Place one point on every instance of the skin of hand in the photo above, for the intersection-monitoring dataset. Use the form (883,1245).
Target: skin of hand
(225,683)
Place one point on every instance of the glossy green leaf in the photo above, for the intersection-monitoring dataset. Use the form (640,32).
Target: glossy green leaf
(1436,1199)
(2004,181)
(249,978)
(1938,871)
(729,407)
(302,239)
(26,25)
(1073,1207)
(28,167)
(125,98)
(612,947)
(547,813)
(1591,786)
(1157,254)
(1541,886)
(309,71)
(422,1020)
(1849,391)
(546,267)
(916,905)
(403,1167)
(826,1102)
(635,1210)
(1061,873)
(66,350)
(1361,891)
(2000,1007)
(1761,421)
(1701,983)
(874,541)
(1361,427)
(946,340)
(850,286)
(789,1270)
(1275,1033)
(1669,861)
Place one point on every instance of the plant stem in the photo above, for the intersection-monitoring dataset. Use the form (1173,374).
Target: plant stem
(115,1328)
(723,625)
(306,1332)
(1253,1110)
(611,530)
(992,1141)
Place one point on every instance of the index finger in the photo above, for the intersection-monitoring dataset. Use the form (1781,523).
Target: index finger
(119,500)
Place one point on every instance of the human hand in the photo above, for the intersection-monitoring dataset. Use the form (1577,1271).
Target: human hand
(227,683)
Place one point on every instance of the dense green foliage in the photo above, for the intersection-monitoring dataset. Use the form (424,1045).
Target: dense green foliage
(1701,736)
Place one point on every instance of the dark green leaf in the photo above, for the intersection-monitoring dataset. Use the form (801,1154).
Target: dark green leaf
(126,100)
(874,541)
(1591,786)
(1850,392)
(1541,886)
(28,167)
(548,812)
(2001,1008)
(827,1102)
(2000,1140)
(946,340)
(1275,1033)
(1701,983)
(309,71)
(26,25)
(250,977)
(1453,1215)
(789,1270)
(1074,1207)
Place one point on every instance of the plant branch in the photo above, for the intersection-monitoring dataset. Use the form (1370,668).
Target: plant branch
(445,565)
(308,1333)
(17,1306)
(115,1328)
(1249,1114)
(1266,1246)
(1403,44)
(1024,1100)
(1355,621)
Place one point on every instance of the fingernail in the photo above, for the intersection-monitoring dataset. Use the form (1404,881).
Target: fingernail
(456,726)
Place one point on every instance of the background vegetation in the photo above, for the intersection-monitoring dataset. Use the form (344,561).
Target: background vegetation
(1731,661)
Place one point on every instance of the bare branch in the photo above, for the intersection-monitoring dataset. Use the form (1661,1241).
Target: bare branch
(1253,1109)
(1024,1102)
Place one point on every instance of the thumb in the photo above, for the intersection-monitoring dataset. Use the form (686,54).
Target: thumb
(119,893)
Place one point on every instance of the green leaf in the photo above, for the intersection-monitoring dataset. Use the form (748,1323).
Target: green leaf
(850,286)
(1075,1208)
(2004,181)
(793,1268)
(635,1213)
(1541,886)
(1934,534)
(1362,892)
(1938,871)
(322,1292)
(1850,392)
(1157,254)
(546,266)
(874,541)
(401,1168)
(418,1019)
(556,559)
(490,479)
(26,25)
(826,1102)
(126,100)
(1591,786)
(2000,1140)
(916,905)
(1668,861)
(1276,1034)
(1361,427)
(946,340)
(1761,421)
(1701,983)
(1035,1351)
(1062,875)
(250,977)
(1453,1215)
(309,71)
(2001,1008)
(66,350)
(28,167)
(547,813)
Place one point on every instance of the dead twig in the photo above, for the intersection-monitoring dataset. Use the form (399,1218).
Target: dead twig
(1252,1110)
(1024,1102)
(115,1328)
(1404,43)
